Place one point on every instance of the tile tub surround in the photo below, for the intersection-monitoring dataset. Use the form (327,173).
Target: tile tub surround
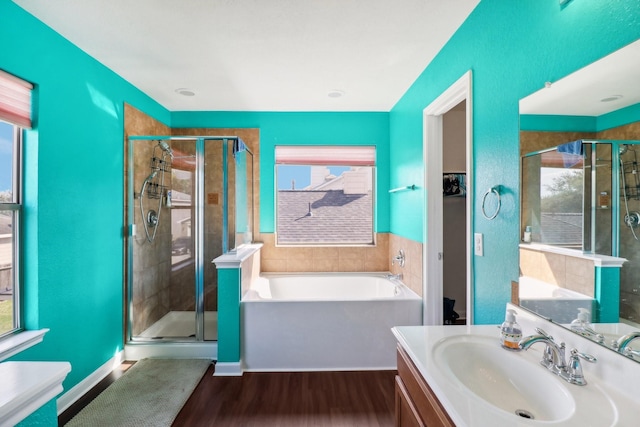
(289,259)
(565,271)
(412,270)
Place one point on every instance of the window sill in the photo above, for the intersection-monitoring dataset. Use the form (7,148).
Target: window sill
(20,341)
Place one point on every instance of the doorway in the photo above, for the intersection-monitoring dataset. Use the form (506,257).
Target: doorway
(456,104)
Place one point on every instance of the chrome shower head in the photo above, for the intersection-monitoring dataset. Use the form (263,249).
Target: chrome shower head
(165,147)
(622,148)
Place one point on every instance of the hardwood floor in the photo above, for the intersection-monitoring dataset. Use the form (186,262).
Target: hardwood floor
(282,399)
(295,399)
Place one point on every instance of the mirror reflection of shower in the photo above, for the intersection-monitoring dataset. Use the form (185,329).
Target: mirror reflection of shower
(630,188)
(154,188)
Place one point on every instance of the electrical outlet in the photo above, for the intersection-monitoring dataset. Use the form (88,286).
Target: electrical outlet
(478,245)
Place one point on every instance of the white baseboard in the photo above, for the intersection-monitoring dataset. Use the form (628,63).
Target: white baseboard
(80,389)
(228,369)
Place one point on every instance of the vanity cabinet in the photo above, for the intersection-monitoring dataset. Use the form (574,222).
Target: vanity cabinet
(416,404)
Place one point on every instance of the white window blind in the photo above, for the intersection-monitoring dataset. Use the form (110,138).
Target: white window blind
(15,100)
(326,155)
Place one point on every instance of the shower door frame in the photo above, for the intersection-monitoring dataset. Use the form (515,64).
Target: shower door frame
(199,213)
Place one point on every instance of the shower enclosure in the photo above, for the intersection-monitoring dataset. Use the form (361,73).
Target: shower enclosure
(189,200)
(605,174)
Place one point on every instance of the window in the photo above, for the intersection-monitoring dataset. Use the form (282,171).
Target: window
(10,212)
(325,195)
(15,113)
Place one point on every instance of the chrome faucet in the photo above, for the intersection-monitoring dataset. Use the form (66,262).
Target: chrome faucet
(587,332)
(553,357)
(400,258)
(394,276)
(622,345)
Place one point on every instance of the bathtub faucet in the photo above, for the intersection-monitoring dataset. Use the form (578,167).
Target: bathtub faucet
(394,276)
(400,258)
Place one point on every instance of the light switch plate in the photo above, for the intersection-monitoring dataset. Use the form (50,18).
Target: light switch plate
(478,244)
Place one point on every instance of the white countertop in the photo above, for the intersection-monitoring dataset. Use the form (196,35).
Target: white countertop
(467,409)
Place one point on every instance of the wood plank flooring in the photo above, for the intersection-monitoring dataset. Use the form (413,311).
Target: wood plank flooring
(286,399)
(292,399)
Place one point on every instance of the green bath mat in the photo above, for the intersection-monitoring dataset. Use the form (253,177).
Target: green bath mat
(151,393)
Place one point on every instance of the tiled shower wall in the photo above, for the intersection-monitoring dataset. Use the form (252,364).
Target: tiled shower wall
(152,262)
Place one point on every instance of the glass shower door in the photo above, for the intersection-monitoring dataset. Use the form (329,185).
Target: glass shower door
(182,216)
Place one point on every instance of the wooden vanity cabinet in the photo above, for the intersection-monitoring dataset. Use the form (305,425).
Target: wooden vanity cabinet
(416,404)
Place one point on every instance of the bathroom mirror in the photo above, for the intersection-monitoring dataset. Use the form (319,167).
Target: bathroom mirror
(595,110)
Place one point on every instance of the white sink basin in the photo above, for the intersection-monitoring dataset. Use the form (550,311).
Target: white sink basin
(480,384)
(507,380)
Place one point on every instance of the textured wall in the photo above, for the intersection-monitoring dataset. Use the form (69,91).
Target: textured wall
(74,191)
(512,48)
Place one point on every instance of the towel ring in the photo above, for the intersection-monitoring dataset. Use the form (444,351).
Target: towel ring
(495,191)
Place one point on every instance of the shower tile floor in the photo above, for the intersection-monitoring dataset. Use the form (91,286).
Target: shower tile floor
(181,324)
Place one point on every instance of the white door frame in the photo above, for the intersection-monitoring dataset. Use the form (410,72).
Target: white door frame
(433,220)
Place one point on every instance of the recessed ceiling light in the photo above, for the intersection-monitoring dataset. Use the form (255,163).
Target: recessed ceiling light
(184,91)
(336,93)
(611,98)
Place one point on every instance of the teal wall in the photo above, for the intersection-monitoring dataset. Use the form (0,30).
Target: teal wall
(229,288)
(607,294)
(312,128)
(73,207)
(512,48)
(73,242)
(46,416)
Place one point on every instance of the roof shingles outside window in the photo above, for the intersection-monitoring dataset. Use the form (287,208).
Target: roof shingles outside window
(324,217)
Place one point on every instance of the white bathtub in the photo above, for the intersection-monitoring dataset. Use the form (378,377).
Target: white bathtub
(324,321)
(558,304)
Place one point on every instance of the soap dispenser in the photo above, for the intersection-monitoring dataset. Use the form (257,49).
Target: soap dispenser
(581,323)
(583,326)
(510,331)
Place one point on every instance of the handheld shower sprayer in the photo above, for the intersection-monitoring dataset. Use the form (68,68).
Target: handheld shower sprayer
(152,175)
(154,187)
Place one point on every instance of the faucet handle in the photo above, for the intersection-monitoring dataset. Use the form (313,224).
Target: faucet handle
(400,258)
(573,372)
(585,356)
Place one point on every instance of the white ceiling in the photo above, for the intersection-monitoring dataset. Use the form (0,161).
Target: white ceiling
(261,55)
(581,93)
